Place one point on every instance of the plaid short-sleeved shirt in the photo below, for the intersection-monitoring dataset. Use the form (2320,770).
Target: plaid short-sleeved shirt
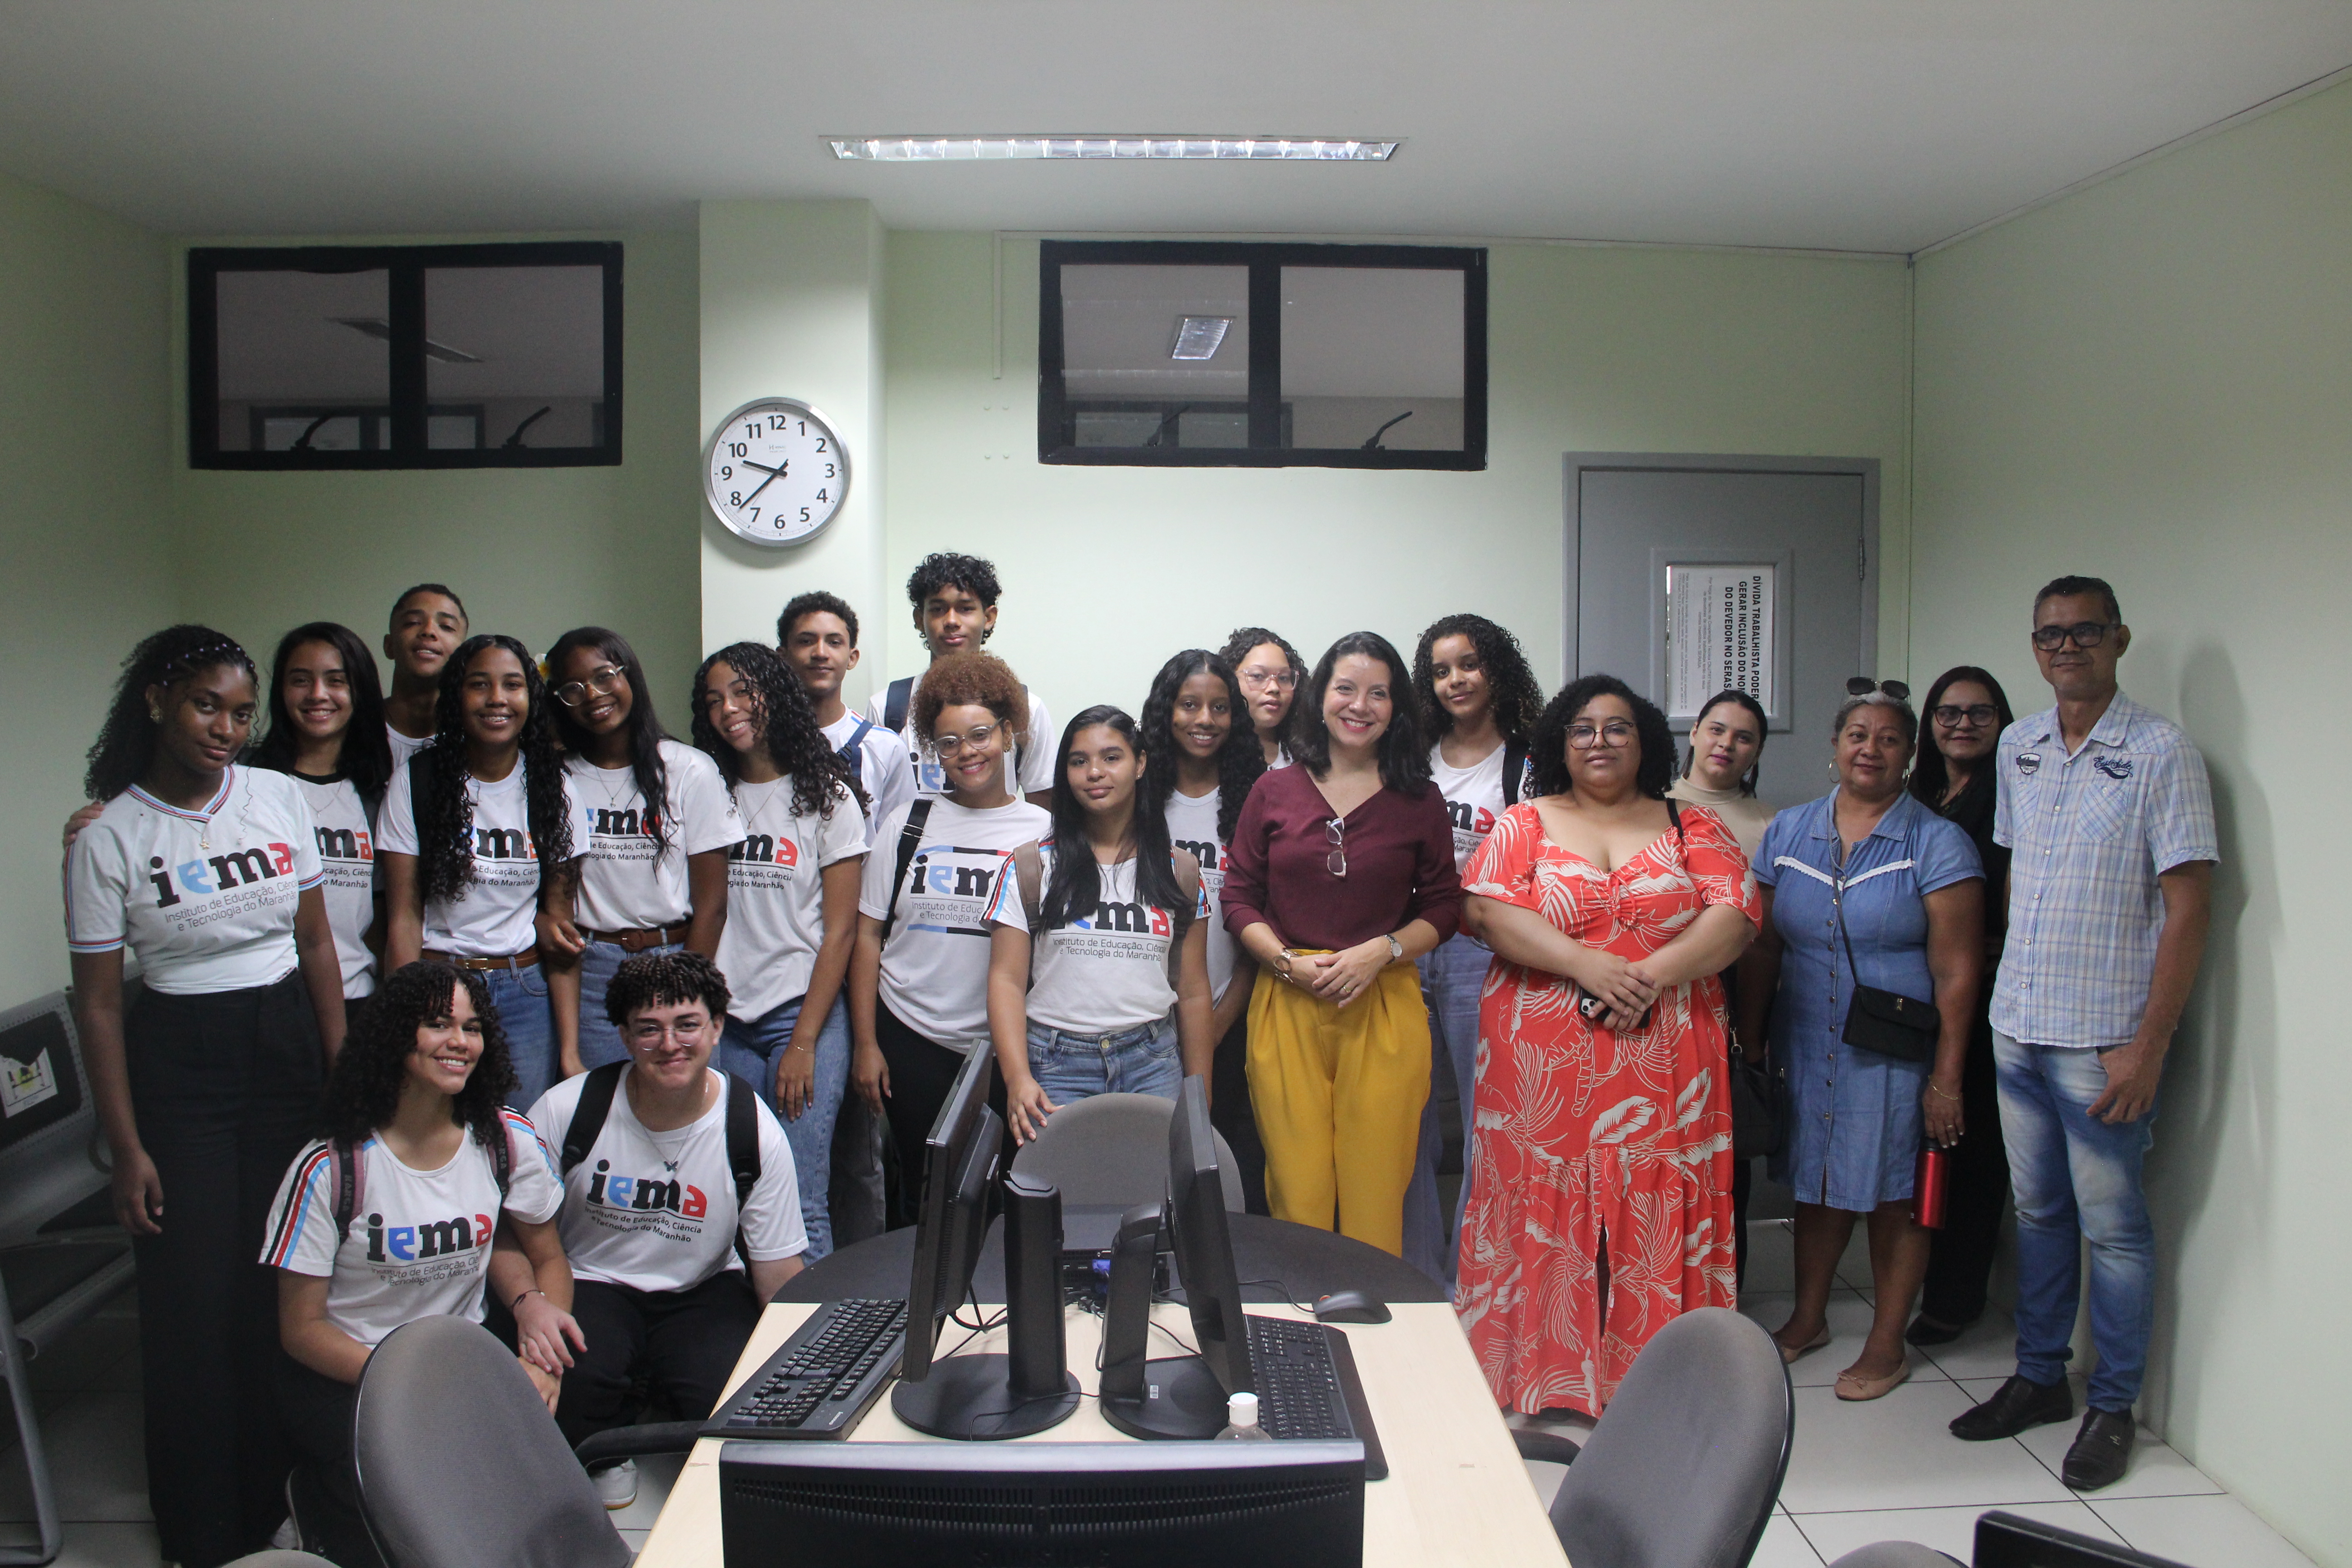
(2089,835)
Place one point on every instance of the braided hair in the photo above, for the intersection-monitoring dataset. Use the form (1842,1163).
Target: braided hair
(445,815)
(1240,761)
(365,758)
(363,1089)
(645,732)
(1518,699)
(125,746)
(788,729)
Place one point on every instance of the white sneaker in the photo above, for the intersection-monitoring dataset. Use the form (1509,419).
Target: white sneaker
(618,1485)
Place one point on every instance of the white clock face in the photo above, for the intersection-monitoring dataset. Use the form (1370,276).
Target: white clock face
(775,472)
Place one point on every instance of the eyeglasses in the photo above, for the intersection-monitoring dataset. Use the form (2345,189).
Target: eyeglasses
(1259,679)
(1951,715)
(605,681)
(1335,834)
(946,746)
(1616,732)
(1863,685)
(2083,634)
(648,1031)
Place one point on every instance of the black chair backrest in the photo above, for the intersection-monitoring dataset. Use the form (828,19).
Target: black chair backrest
(48,1121)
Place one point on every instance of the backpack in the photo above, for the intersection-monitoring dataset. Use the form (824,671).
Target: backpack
(596,1104)
(351,1178)
(852,751)
(896,697)
(910,838)
(1517,775)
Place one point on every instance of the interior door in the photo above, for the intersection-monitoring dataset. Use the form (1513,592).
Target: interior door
(1691,573)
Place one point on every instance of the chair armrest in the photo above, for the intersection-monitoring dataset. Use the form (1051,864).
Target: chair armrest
(1550,1447)
(629,1442)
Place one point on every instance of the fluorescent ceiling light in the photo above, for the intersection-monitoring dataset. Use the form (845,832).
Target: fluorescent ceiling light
(1005,149)
(377,327)
(1197,337)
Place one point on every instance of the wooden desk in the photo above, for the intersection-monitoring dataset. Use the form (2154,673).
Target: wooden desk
(1456,1493)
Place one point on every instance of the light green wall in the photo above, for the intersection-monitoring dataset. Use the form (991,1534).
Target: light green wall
(1107,570)
(2152,381)
(85,406)
(533,552)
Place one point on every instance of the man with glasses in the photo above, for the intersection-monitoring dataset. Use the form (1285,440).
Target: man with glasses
(680,1214)
(2106,812)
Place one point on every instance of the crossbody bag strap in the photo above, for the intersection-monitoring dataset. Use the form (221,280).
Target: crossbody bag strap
(910,838)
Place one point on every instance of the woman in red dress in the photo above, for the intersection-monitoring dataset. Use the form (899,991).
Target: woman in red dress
(1601,1158)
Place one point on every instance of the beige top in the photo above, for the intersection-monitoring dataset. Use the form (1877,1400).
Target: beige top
(1746,816)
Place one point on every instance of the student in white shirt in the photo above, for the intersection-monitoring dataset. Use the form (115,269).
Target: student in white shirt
(657,1156)
(1472,681)
(1104,988)
(655,825)
(954,598)
(792,905)
(473,859)
(937,870)
(209,874)
(1205,755)
(389,1218)
(428,622)
(1271,673)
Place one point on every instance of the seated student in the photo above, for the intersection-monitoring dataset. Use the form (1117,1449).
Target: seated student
(387,1218)
(665,1162)
(954,598)
(1117,971)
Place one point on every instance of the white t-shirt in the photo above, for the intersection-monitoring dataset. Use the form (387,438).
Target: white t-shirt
(1105,971)
(776,893)
(420,1240)
(346,838)
(882,766)
(1028,769)
(206,897)
(656,1211)
(627,881)
(402,747)
(1473,799)
(1192,826)
(935,961)
(491,916)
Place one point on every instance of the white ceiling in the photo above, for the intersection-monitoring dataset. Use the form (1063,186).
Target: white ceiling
(1852,124)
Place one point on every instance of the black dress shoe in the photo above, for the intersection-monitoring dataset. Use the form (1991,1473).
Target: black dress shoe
(2102,1451)
(2017,1405)
(1926,1331)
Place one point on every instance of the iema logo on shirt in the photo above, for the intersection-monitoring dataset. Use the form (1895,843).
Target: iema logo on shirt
(623,822)
(643,1194)
(1138,920)
(1467,818)
(504,844)
(765,849)
(1203,850)
(218,873)
(344,843)
(416,1242)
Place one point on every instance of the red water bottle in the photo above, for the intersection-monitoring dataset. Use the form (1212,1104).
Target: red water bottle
(1931,1182)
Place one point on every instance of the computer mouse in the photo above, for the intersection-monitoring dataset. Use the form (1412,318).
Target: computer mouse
(1350,1307)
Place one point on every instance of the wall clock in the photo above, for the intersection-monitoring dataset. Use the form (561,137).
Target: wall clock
(775,471)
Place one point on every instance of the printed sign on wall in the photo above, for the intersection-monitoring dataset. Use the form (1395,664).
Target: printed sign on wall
(1718,633)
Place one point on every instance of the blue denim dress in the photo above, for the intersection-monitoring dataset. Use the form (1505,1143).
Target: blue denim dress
(1853,1115)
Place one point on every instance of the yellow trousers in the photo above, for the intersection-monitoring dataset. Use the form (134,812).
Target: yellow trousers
(1337,1092)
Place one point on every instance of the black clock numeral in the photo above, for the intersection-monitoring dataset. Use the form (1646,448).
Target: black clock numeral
(751,431)
(775,421)
(804,427)
(726,470)
(804,516)
(738,449)
(820,445)
(821,495)
(828,470)
(755,514)
(735,498)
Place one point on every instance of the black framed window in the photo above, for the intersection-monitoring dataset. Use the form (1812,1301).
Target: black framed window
(1192,354)
(423,356)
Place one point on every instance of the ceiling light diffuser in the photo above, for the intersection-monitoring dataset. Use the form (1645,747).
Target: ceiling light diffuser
(377,327)
(1197,337)
(1008,149)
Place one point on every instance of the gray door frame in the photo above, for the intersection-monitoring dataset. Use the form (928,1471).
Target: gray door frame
(1575,464)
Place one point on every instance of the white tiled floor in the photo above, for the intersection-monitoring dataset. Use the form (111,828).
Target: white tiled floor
(1859,1473)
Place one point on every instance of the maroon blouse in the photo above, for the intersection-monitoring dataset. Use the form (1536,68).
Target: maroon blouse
(1400,865)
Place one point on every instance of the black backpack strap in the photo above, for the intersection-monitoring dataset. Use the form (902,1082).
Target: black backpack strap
(1675,816)
(502,1158)
(422,767)
(896,697)
(347,1189)
(743,1151)
(588,1116)
(1514,767)
(910,838)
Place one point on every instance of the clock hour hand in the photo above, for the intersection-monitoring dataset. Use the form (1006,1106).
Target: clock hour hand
(773,475)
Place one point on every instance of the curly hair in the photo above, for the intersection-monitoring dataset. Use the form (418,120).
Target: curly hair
(1239,760)
(644,727)
(1516,699)
(665,980)
(1240,643)
(946,569)
(1075,888)
(119,758)
(445,820)
(363,1089)
(980,679)
(788,731)
(1763,733)
(365,755)
(1548,747)
(1404,753)
(817,602)
(1930,774)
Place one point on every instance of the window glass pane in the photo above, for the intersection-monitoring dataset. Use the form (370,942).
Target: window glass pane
(1364,347)
(1123,330)
(514,355)
(304,361)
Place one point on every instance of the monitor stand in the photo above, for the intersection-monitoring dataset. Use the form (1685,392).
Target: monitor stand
(1177,1398)
(985,1397)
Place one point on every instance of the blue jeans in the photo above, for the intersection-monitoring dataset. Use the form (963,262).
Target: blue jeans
(1451,979)
(749,1051)
(520,996)
(2076,1178)
(1141,1060)
(600,1038)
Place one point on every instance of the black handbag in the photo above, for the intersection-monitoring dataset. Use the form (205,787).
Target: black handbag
(1755,1122)
(1886,1021)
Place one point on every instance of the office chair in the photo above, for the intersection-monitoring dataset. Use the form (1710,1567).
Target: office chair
(1686,1462)
(1111,1149)
(279,1558)
(1896,1554)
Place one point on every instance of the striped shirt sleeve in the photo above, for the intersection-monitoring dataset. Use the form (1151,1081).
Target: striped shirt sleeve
(301,1237)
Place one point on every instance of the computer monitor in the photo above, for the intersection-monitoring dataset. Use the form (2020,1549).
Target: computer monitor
(2006,1541)
(957,1505)
(1204,1250)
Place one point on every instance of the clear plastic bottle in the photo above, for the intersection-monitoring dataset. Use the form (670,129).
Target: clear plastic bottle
(1240,1421)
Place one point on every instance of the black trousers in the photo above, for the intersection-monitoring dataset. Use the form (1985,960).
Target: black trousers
(317,1411)
(225,1089)
(1959,1258)
(680,1344)
(856,1196)
(922,1072)
(1230,1113)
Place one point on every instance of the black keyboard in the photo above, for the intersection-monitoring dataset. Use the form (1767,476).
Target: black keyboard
(823,1378)
(1307,1389)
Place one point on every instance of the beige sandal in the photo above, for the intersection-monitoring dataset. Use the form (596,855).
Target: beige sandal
(1850,1386)
(1819,1342)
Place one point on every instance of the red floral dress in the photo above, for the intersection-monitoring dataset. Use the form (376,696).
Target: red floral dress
(1582,1133)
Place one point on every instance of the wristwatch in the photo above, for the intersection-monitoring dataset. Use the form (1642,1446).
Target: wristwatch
(1396,949)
